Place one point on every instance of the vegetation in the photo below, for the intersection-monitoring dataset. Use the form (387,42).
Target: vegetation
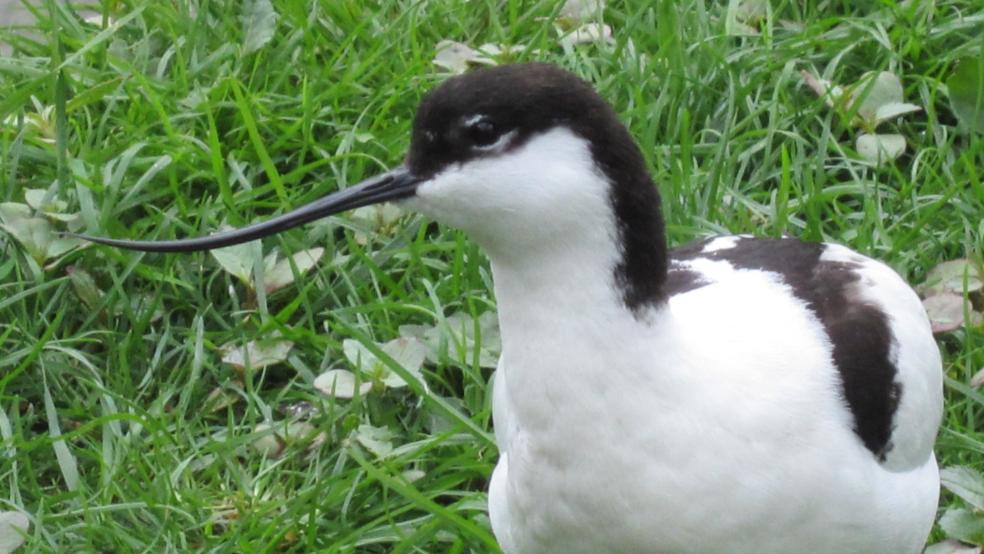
(173,402)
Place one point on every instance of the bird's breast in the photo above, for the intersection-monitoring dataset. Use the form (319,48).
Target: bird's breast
(719,413)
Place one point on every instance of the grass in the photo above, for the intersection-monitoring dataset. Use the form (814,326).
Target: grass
(164,125)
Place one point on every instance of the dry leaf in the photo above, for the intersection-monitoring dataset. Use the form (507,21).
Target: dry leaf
(949,277)
(589,32)
(278,273)
(341,383)
(259,21)
(879,149)
(581,11)
(377,440)
(454,56)
(977,380)
(744,17)
(13,530)
(238,260)
(220,398)
(257,354)
(458,337)
(823,88)
(269,444)
(874,90)
(892,110)
(946,312)
(35,198)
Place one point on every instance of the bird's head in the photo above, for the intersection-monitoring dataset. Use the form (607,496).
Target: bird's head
(522,156)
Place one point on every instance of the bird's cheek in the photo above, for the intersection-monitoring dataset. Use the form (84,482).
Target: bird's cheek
(445,198)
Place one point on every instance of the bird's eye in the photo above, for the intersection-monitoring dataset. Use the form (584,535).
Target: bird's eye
(483,132)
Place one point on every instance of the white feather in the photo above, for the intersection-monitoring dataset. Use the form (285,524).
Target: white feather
(714,423)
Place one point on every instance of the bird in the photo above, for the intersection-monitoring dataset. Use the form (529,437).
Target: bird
(736,394)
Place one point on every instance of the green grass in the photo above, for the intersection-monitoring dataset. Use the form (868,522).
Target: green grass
(161,126)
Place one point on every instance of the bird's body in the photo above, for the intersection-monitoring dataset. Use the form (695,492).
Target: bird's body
(736,395)
(718,425)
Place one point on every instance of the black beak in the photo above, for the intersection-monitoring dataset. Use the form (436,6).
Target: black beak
(393,185)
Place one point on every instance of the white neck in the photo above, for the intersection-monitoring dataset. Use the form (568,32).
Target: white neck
(536,288)
(561,317)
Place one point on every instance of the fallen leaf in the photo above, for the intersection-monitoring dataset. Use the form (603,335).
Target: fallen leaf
(735,28)
(257,354)
(410,353)
(219,399)
(893,110)
(744,17)
(239,260)
(589,32)
(268,443)
(439,422)
(459,340)
(61,245)
(341,383)
(280,274)
(454,56)
(275,438)
(791,26)
(35,198)
(14,210)
(873,91)
(259,21)
(581,11)
(946,312)
(978,379)
(949,277)
(876,97)
(965,482)
(33,233)
(831,93)
(96,19)
(377,440)
(377,218)
(196,98)
(962,524)
(879,149)
(497,52)
(13,530)
(457,57)
(298,432)
(359,357)
(751,10)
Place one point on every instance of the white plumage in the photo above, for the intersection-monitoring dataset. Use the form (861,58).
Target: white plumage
(713,423)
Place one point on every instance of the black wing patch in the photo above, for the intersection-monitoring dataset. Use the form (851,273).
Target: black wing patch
(858,331)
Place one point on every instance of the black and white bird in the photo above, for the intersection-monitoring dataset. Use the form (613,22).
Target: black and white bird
(740,394)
